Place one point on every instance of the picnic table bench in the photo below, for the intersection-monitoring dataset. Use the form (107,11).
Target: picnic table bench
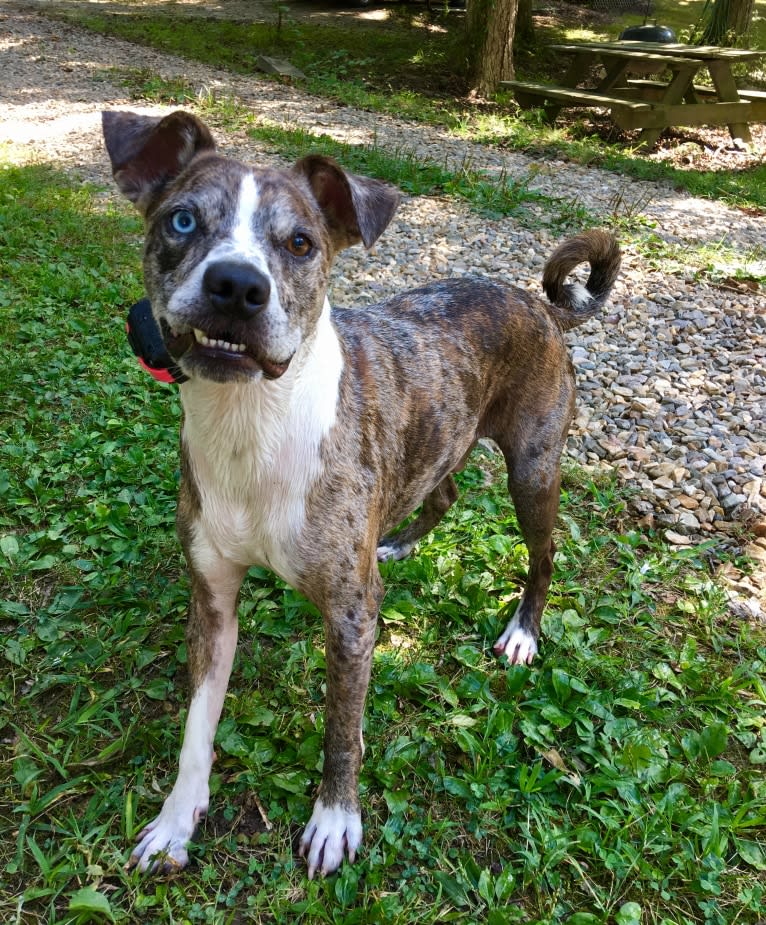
(651,105)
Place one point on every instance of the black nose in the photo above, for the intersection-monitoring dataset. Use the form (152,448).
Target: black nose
(236,289)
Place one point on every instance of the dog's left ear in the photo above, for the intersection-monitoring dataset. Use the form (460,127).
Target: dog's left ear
(148,151)
(355,208)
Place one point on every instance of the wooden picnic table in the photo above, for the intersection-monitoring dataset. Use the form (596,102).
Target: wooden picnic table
(652,105)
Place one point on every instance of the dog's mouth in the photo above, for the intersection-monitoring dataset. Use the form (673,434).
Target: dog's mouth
(221,353)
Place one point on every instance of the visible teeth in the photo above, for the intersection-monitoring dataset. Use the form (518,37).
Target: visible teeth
(206,341)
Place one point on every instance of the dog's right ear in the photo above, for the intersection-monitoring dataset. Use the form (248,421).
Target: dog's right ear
(148,151)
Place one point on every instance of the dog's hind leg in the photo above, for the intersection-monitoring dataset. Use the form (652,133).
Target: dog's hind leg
(534,484)
(398,545)
(211,638)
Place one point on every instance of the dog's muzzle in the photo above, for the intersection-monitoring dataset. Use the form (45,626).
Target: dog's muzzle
(230,356)
(160,349)
(220,343)
(217,352)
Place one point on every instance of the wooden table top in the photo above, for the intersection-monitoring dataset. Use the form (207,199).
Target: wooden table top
(670,49)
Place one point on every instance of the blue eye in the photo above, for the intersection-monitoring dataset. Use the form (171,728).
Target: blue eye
(183,222)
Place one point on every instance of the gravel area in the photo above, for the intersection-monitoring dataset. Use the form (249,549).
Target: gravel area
(672,379)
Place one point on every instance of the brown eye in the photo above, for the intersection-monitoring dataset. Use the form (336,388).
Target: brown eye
(299,245)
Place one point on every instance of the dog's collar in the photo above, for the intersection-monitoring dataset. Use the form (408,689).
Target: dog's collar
(145,338)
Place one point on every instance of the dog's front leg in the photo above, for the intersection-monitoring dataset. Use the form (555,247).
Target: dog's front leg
(211,638)
(335,826)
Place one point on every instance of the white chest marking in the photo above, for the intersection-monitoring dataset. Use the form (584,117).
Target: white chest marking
(254,450)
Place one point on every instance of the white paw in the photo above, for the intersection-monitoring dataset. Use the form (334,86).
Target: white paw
(331,832)
(391,552)
(162,844)
(519,645)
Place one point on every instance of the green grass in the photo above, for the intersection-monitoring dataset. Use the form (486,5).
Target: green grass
(685,18)
(619,780)
(377,68)
(493,195)
(743,188)
(414,73)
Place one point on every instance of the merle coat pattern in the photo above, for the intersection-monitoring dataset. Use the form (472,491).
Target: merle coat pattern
(309,433)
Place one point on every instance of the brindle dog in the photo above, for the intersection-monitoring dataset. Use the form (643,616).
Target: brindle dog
(310,433)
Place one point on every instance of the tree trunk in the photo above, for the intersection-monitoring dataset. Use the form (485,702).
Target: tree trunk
(524,33)
(727,21)
(740,15)
(490,27)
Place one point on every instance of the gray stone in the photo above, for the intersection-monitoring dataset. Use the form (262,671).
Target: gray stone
(278,66)
(688,521)
(732,501)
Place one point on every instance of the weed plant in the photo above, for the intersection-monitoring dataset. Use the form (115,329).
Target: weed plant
(618,780)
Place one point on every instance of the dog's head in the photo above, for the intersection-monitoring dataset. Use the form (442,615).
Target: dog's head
(236,260)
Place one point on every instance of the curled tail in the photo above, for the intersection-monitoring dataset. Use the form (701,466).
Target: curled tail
(573,303)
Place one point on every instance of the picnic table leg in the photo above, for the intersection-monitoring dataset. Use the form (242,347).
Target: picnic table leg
(550,109)
(616,76)
(680,83)
(726,88)
(648,137)
(691,95)
(577,71)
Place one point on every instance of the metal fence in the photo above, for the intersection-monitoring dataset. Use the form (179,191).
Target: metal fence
(622,6)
